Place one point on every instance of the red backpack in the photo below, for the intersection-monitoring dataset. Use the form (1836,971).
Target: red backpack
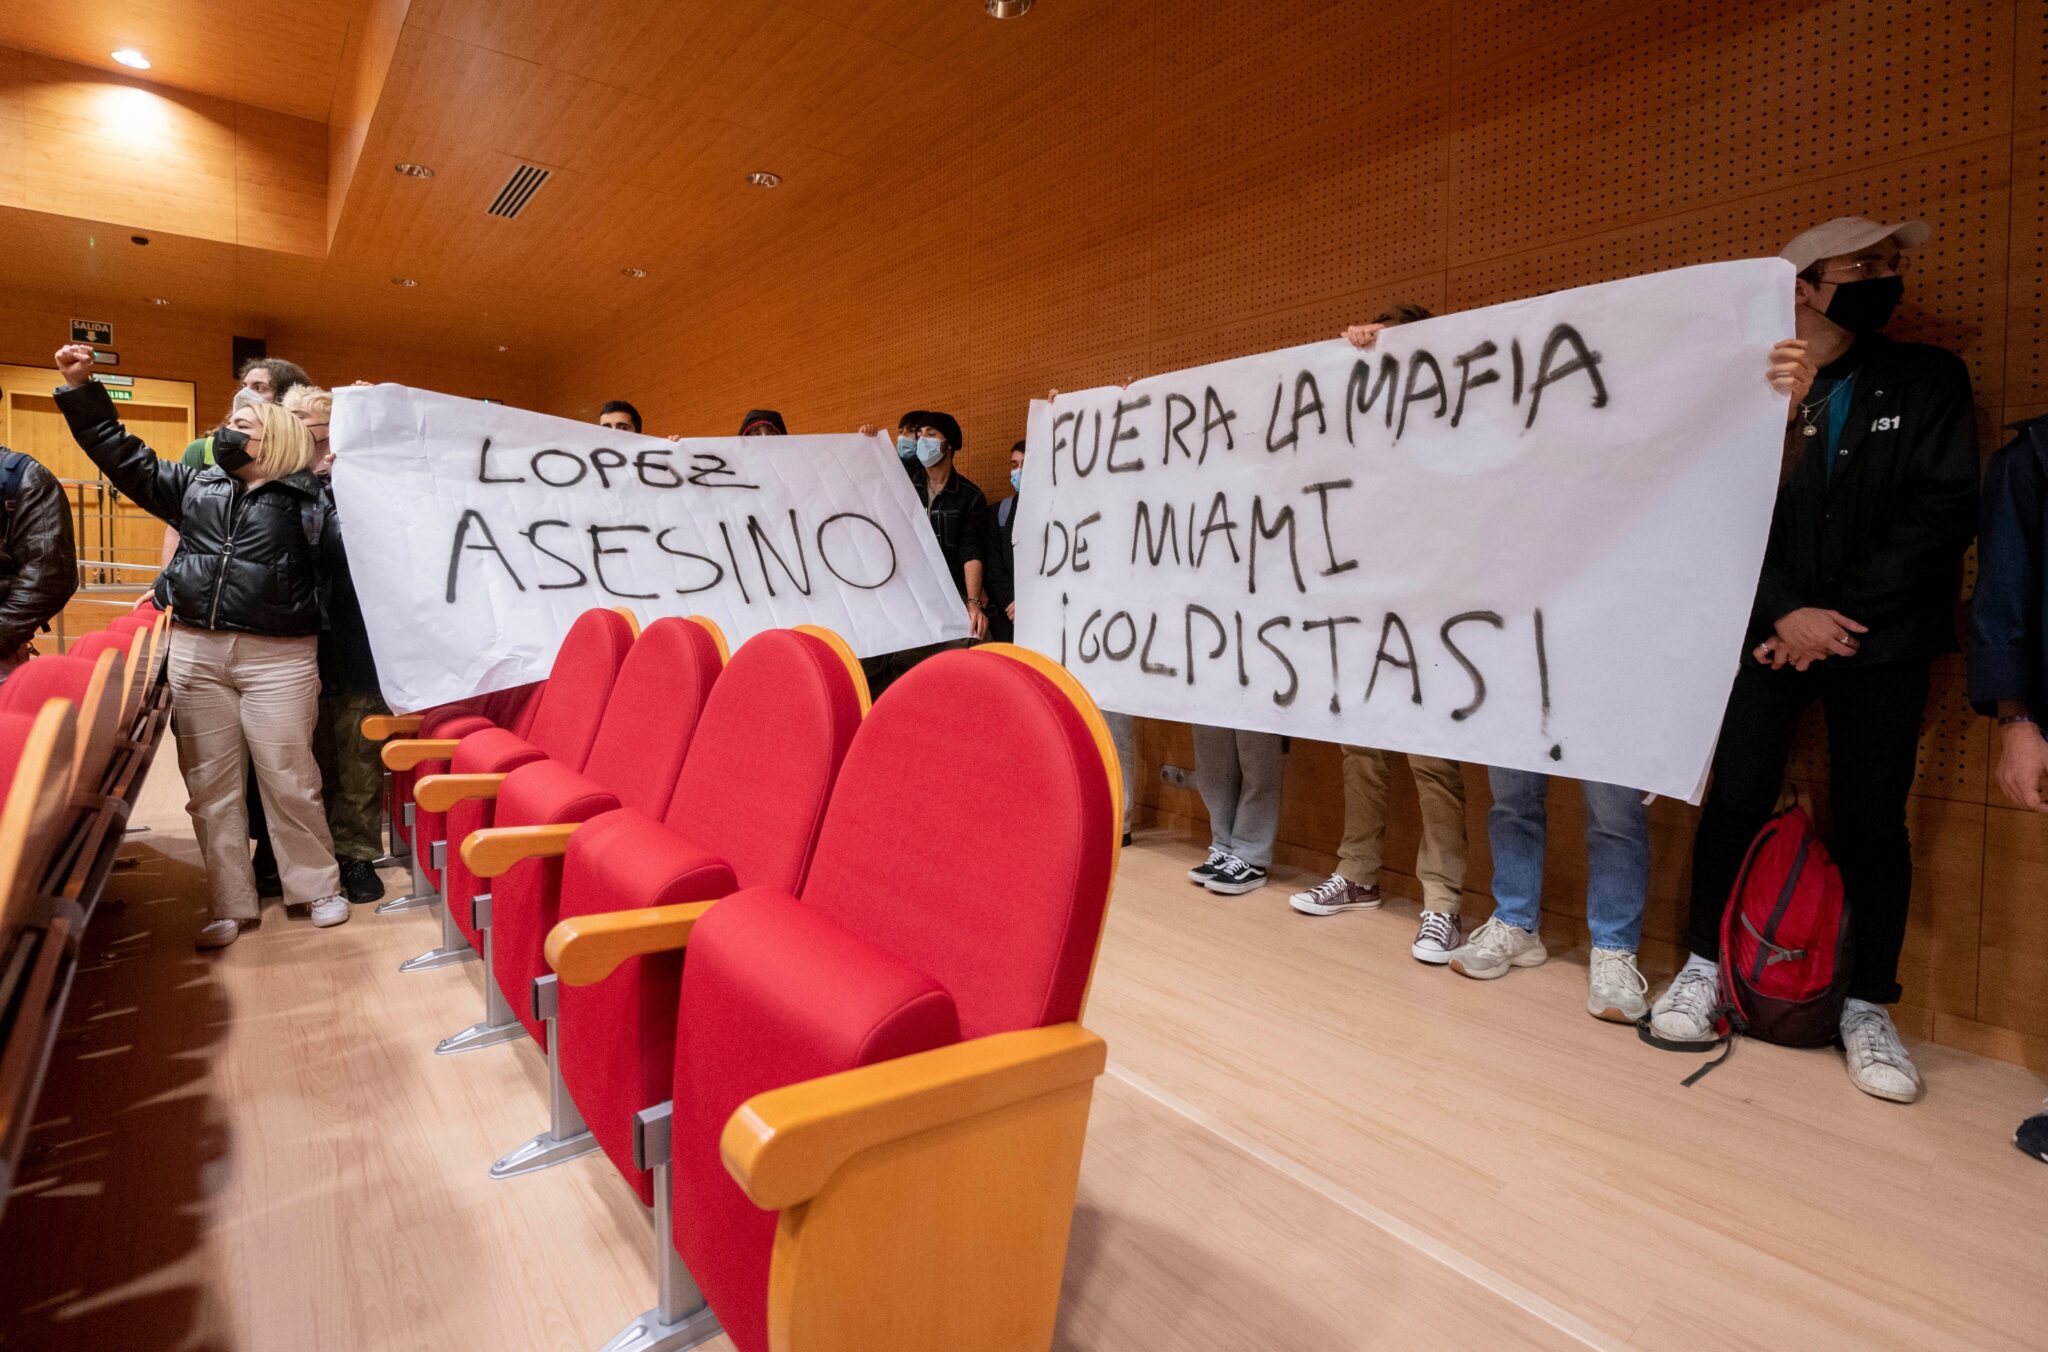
(1785,954)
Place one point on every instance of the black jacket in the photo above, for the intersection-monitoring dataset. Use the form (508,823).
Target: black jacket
(1883,543)
(2009,615)
(246,559)
(999,574)
(346,664)
(959,517)
(38,559)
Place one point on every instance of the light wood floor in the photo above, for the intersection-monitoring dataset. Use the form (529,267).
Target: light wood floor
(1306,1141)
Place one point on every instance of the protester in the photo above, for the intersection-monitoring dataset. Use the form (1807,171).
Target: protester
(1002,556)
(619,416)
(763,422)
(1855,602)
(243,666)
(2008,649)
(38,557)
(271,377)
(1239,774)
(351,775)
(959,518)
(1439,790)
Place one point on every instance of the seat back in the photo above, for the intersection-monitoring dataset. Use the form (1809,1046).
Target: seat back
(653,712)
(767,751)
(94,687)
(95,643)
(572,701)
(1000,896)
(35,765)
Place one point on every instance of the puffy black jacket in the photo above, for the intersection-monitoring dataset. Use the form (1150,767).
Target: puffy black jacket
(38,560)
(246,559)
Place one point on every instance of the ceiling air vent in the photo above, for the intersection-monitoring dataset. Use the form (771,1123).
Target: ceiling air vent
(519,189)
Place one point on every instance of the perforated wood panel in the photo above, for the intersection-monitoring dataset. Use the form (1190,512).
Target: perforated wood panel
(1109,189)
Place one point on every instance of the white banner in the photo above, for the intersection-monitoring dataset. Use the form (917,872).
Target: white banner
(1524,536)
(477,533)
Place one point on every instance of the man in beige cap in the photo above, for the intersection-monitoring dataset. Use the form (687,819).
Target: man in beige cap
(1856,600)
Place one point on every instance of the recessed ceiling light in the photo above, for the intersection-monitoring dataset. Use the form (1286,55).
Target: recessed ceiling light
(138,239)
(414,170)
(1006,9)
(132,59)
(503,348)
(634,272)
(403,281)
(158,300)
(761,178)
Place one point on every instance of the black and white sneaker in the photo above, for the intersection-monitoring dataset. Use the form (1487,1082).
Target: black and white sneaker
(2032,1136)
(1201,873)
(1233,878)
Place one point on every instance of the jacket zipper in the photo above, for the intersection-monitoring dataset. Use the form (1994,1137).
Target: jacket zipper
(227,552)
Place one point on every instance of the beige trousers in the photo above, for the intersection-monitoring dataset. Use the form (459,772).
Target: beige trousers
(247,698)
(1440,858)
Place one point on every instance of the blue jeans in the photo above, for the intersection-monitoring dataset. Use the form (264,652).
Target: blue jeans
(1617,855)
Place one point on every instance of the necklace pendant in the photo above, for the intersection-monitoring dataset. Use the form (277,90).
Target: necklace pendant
(1810,430)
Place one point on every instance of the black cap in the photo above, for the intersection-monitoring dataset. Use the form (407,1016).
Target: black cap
(763,421)
(946,423)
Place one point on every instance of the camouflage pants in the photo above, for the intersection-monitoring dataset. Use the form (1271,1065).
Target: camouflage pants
(351,775)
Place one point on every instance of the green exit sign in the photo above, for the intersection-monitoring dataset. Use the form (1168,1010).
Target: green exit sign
(120,394)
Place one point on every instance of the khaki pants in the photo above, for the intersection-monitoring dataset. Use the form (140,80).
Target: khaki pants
(247,695)
(1440,858)
(351,775)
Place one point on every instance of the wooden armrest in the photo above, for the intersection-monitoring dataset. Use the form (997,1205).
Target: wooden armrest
(407,754)
(588,948)
(495,849)
(783,1146)
(438,793)
(383,727)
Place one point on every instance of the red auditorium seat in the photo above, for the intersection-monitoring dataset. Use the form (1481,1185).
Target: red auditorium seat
(745,811)
(563,725)
(633,761)
(887,1059)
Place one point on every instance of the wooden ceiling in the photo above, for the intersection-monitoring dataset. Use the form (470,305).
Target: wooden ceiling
(650,113)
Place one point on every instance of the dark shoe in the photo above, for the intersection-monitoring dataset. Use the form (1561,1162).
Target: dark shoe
(1234,877)
(360,882)
(268,884)
(1127,837)
(2032,1137)
(1201,873)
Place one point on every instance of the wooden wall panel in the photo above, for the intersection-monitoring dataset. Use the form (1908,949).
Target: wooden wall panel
(1139,187)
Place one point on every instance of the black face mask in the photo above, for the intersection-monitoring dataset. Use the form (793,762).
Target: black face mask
(231,449)
(1863,307)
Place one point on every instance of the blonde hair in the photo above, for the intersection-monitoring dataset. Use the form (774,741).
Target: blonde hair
(309,399)
(287,447)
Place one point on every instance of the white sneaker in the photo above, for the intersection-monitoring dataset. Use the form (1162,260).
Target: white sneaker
(1335,893)
(1439,937)
(1495,947)
(1877,1060)
(1689,1008)
(1615,987)
(221,933)
(330,911)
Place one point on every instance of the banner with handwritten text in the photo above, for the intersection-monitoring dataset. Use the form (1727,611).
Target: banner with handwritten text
(477,533)
(1526,535)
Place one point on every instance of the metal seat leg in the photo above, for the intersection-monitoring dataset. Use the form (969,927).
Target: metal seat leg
(499,1023)
(681,1318)
(567,1137)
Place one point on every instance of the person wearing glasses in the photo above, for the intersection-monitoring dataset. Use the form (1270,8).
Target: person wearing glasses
(1877,504)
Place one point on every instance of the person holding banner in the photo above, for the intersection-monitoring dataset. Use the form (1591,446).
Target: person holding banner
(244,671)
(1439,791)
(2009,639)
(1002,555)
(1239,774)
(959,519)
(619,416)
(1855,602)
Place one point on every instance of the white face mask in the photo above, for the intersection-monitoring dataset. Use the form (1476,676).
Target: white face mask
(929,451)
(906,446)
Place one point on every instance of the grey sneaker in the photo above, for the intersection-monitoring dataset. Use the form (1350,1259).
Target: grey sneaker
(1615,988)
(1495,947)
(1335,893)
(1689,1008)
(1877,1060)
(330,911)
(1438,938)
